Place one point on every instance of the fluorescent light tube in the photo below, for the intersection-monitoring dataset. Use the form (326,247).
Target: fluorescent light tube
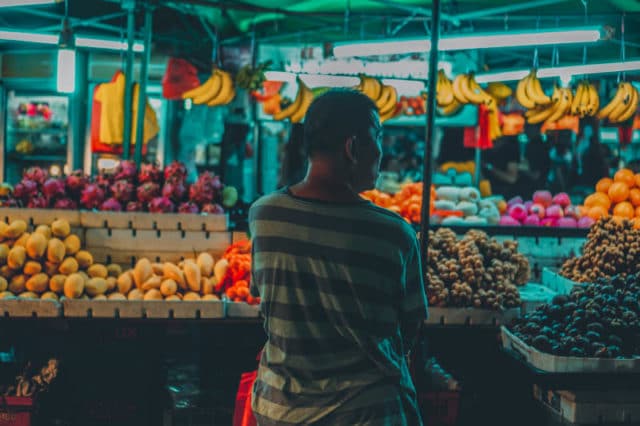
(66,81)
(98,43)
(11,3)
(472,41)
(29,37)
(80,41)
(601,68)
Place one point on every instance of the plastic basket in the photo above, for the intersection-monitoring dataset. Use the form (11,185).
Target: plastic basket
(439,408)
(15,411)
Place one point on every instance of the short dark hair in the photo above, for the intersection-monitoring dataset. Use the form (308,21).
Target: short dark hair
(335,116)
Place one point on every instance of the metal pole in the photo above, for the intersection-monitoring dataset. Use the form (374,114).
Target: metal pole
(142,93)
(128,73)
(257,146)
(430,133)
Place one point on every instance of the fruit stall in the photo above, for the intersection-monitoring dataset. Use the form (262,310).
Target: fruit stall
(126,179)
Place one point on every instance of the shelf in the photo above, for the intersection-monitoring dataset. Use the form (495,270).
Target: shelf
(36,157)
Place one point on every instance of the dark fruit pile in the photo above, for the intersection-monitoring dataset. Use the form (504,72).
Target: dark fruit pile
(612,248)
(598,320)
(476,271)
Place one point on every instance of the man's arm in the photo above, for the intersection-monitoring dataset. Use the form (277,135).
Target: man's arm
(413,308)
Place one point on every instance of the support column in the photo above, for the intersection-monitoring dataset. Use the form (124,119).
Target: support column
(129,6)
(144,71)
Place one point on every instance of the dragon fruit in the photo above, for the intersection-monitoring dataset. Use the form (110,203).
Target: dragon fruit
(148,191)
(135,206)
(25,190)
(92,196)
(104,181)
(174,190)
(36,174)
(206,189)
(126,170)
(150,173)
(212,209)
(111,205)
(38,202)
(76,182)
(9,202)
(188,207)
(65,204)
(176,170)
(161,205)
(54,188)
(123,191)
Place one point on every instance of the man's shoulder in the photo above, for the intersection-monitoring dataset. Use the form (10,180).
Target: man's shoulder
(273,199)
(392,219)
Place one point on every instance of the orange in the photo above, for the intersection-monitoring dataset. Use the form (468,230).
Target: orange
(636,223)
(597,212)
(625,176)
(624,209)
(637,179)
(603,185)
(638,212)
(634,197)
(598,199)
(618,192)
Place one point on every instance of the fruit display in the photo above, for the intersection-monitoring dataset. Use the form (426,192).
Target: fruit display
(545,209)
(385,97)
(475,271)
(619,197)
(234,273)
(296,110)
(594,321)
(217,90)
(126,189)
(560,105)
(586,100)
(612,248)
(623,106)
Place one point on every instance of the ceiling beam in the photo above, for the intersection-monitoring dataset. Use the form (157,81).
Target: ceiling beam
(418,10)
(506,9)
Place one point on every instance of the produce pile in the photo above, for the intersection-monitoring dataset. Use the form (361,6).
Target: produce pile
(475,271)
(545,209)
(598,320)
(237,278)
(619,197)
(126,189)
(612,248)
(407,202)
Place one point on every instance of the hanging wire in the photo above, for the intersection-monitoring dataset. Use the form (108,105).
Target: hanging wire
(623,53)
(535,50)
(586,22)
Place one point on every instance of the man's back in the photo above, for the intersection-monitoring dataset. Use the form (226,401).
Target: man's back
(336,281)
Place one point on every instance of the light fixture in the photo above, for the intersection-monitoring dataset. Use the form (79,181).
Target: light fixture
(81,41)
(11,3)
(66,66)
(325,80)
(571,70)
(467,42)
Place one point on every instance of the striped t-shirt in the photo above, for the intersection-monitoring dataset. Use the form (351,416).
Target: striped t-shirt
(338,282)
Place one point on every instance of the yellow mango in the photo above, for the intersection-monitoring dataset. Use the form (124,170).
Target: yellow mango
(191,296)
(96,286)
(171,271)
(45,230)
(72,244)
(193,275)
(36,245)
(38,283)
(84,258)
(6,295)
(142,272)
(173,298)
(116,296)
(4,253)
(49,295)
(56,283)
(152,283)
(74,286)
(16,258)
(100,297)
(112,282)
(220,269)
(69,266)
(114,270)
(60,228)
(97,271)
(22,241)
(210,297)
(168,287)
(28,295)
(153,294)
(32,267)
(125,282)
(15,229)
(135,294)
(51,269)
(205,263)
(55,251)
(17,284)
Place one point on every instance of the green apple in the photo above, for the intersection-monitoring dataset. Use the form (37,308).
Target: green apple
(229,196)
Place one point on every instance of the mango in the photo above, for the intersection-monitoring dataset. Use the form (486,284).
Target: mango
(112,282)
(15,229)
(51,269)
(157,268)
(6,295)
(4,253)
(49,295)
(191,296)
(210,297)
(72,244)
(16,258)
(22,241)
(135,294)
(7,272)
(152,283)
(17,284)
(193,275)
(114,270)
(171,271)
(45,230)
(60,228)
(96,286)
(69,266)
(142,272)
(27,295)
(220,269)
(3,229)
(168,287)
(38,283)
(3,284)
(208,285)
(56,283)
(97,271)
(173,298)
(55,251)
(100,297)
(125,282)
(32,267)
(116,296)
(74,286)
(36,246)
(153,294)
(84,258)
(205,263)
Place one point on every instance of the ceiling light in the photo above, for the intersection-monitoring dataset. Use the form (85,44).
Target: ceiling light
(551,72)
(12,3)
(80,41)
(66,65)
(466,42)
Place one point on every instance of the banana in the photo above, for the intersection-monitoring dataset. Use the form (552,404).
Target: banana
(226,92)
(370,86)
(499,90)
(479,92)
(619,115)
(295,105)
(444,90)
(391,102)
(388,115)
(307,98)
(534,91)
(576,105)
(458,83)
(521,94)
(451,109)
(562,107)
(617,98)
(470,92)
(494,122)
(385,93)
(213,86)
(593,102)
(621,107)
(202,93)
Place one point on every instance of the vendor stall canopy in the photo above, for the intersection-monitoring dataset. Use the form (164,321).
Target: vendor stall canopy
(188,28)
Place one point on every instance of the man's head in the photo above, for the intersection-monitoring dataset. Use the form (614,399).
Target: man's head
(343,127)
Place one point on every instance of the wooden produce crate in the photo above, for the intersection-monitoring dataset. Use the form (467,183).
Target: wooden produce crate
(155,221)
(29,308)
(72,308)
(470,316)
(241,310)
(37,217)
(534,295)
(126,246)
(203,309)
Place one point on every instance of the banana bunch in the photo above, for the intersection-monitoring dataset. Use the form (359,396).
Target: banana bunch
(586,100)
(495,131)
(529,92)
(559,106)
(499,90)
(466,90)
(298,108)
(385,97)
(217,90)
(623,106)
(445,99)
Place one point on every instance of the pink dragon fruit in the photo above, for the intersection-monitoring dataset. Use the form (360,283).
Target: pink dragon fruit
(111,205)
(562,199)
(38,202)
(92,196)
(206,189)
(65,204)
(508,221)
(135,206)
(174,190)
(518,212)
(36,174)
(161,205)
(123,191)
(147,192)
(76,182)
(25,189)
(585,222)
(54,188)
(538,210)
(9,202)
(542,197)
(150,173)
(549,221)
(532,220)
(515,200)
(104,181)
(567,222)
(176,170)
(188,207)
(126,170)
(212,209)
(554,211)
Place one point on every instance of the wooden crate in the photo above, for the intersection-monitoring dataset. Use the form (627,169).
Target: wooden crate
(102,308)
(205,309)
(36,217)
(29,308)
(126,246)
(155,221)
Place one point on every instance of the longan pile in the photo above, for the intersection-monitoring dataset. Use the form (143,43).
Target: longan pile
(475,271)
(612,248)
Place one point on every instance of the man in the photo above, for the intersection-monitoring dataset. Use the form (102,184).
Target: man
(340,281)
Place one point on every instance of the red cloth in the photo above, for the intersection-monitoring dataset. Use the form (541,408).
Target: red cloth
(478,136)
(179,77)
(242,413)
(625,133)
